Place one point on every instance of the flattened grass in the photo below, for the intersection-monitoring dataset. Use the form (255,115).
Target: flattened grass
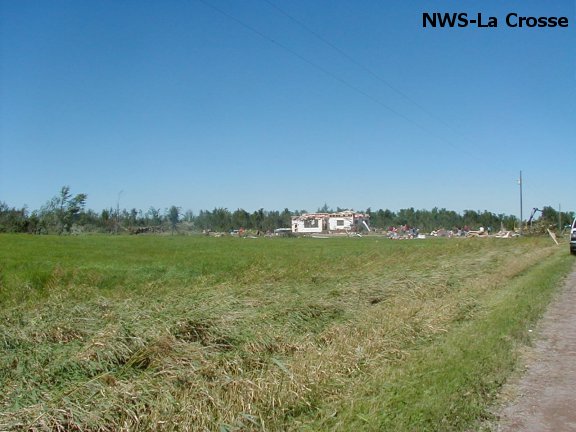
(174,333)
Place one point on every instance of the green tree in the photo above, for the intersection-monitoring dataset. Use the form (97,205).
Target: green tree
(221,219)
(241,219)
(549,215)
(61,212)
(70,207)
(258,219)
(173,218)
(285,219)
(13,220)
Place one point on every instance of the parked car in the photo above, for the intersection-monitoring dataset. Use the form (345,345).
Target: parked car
(573,238)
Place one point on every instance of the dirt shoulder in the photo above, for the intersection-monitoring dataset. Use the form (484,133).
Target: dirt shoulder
(544,398)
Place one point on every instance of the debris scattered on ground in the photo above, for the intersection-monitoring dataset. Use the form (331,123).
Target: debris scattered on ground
(553,236)
(505,234)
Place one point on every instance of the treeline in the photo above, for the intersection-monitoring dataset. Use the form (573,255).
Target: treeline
(54,220)
(66,213)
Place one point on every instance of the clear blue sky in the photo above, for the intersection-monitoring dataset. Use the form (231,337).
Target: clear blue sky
(238,104)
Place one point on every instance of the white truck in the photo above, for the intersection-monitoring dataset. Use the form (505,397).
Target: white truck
(573,238)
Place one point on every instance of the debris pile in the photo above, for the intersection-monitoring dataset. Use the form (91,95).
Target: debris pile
(146,230)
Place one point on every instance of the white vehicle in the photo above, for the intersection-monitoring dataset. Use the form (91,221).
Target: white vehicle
(573,238)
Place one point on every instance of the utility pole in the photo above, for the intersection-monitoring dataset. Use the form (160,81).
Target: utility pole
(521,217)
(118,211)
(559,218)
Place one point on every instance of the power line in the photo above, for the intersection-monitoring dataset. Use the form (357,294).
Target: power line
(356,62)
(332,75)
(304,59)
(379,78)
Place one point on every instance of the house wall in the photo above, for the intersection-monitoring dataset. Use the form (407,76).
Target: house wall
(321,222)
(301,226)
(340,223)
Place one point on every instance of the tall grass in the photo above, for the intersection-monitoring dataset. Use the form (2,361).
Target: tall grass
(176,333)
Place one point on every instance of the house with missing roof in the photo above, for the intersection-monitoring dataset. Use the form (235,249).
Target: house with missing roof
(345,221)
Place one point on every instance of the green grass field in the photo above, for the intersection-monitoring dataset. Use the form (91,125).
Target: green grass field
(271,334)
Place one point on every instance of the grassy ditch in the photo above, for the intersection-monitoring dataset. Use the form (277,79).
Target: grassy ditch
(175,333)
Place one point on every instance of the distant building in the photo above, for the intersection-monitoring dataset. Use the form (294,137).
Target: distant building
(344,221)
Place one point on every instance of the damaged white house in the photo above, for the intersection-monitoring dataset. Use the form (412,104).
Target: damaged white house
(329,222)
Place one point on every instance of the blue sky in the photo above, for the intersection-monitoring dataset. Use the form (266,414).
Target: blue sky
(239,104)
